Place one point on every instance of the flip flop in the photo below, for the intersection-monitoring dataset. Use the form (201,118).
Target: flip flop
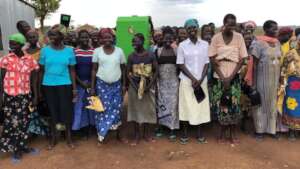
(15,160)
(184,141)
(172,138)
(202,140)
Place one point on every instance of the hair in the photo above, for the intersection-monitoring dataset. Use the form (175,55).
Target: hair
(297,31)
(19,24)
(167,30)
(268,24)
(140,36)
(228,16)
(83,31)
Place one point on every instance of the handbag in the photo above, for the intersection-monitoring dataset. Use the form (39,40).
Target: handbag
(199,94)
(252,94)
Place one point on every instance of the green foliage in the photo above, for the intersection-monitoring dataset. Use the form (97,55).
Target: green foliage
(44,8)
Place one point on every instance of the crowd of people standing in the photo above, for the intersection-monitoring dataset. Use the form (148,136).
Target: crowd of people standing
(183,80)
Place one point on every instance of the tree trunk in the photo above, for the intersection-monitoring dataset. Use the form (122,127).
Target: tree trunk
(42,19)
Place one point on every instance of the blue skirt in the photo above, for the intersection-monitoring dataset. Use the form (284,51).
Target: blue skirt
(111,97)
(82,117)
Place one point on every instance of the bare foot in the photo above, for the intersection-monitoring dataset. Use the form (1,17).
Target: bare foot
(149,139)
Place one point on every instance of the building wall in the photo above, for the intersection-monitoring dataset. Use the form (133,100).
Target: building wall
(11,11)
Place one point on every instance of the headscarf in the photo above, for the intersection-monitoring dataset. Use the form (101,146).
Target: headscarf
(59,27)
(191,22)
(106,30)
(18,37)
(250,23)
(267,39)
(285,30)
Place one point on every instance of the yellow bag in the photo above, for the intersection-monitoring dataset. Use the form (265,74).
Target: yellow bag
(95,104)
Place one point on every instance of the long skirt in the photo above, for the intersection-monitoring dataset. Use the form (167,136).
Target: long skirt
(189,108)
(167,99)
(59,102)
(141,110)
(111,96)
(82,117)
(230,114)
(16,120)
(291,106)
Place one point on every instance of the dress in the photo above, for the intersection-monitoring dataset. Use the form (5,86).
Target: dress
(168,87)
(267,75)
(290,72)
(141,104)
(228,56)
(83,117)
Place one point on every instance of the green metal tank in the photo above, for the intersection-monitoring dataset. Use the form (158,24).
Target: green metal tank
(128,26)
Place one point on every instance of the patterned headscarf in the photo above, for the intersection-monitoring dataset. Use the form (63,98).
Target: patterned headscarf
(191,22)
(285,30)
(18,37)
(106,30)
(250,23)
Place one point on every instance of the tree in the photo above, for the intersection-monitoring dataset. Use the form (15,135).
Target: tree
(43,8)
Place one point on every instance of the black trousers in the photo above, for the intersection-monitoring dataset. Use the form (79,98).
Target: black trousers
(59,101)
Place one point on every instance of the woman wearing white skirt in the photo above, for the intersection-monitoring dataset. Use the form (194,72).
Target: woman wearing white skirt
(193,61)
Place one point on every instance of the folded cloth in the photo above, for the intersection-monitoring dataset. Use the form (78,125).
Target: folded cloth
(95,104)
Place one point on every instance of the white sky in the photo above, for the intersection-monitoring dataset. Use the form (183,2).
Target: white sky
(103,13)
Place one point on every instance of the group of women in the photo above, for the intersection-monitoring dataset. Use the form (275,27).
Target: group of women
(181,80)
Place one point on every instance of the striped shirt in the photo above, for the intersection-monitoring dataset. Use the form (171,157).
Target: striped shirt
(84,63)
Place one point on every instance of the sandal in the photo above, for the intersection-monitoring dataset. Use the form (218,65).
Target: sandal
(172,138)
(184,141)
(202,140)
(16,158)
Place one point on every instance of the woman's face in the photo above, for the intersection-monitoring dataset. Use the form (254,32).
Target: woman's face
(230,25)
(182,35)
(24,27)
(137,43)
(32,37)
(15,47)
(55,37)
(248,37)
(272,31)
(84,38)
(168,40)
(192,31)
(158,38)
(95,37)
(107,39)
(207,34)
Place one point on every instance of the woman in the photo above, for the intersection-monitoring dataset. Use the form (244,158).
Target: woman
(59,83)
(83,118)
(266,52)
(37,124)
(168,84)
(227,52)
(157,40)
(290,75)
(95,39)
(19,76)
(193,62)
(142,73)
(108,77)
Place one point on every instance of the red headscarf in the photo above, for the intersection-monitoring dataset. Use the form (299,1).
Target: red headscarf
(285,30)
(106,30)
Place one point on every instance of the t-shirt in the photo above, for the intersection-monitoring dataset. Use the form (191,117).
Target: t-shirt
(84,63)
(56,63)
(109,66)
(228,54)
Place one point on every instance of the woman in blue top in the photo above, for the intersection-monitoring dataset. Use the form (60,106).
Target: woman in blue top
(58,79)
(107,73)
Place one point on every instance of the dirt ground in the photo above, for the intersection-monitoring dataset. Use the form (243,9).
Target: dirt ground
(162,154)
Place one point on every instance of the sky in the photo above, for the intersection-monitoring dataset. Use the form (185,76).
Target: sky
(104,13)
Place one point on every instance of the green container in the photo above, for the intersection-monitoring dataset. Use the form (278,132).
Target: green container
(128,26)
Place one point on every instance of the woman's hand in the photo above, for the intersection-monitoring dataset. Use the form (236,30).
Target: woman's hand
(92,92)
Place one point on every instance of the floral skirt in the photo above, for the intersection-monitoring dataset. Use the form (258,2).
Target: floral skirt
(111,96)
(230,113)
(291,106)
(16,121)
